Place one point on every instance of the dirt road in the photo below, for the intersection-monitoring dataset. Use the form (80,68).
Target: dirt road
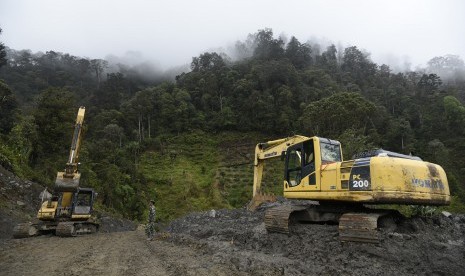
(122,253)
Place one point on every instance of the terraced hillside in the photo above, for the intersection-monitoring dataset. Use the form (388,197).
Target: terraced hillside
(235,173)
(196,171)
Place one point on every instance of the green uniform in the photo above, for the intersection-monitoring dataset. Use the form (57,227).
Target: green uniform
(150,228)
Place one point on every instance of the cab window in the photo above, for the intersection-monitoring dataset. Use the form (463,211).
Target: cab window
(294,167)
(309,162)
(330,152)
(309,157)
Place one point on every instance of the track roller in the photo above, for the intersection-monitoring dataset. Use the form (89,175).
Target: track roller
(72,229)
(360,227)
(277,218)
(66,229)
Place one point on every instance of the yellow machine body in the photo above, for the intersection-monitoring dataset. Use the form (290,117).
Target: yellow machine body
(68,211)
(381,179)
(47,210)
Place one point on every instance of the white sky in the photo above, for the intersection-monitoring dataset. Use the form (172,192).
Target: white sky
(171,32)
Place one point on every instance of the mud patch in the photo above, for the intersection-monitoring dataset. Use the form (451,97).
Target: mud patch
(427,246)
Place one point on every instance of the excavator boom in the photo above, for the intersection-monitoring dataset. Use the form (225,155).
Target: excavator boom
(268,150)
(68,180)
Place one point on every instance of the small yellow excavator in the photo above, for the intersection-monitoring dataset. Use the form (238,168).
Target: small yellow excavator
(334,190)
(68,210)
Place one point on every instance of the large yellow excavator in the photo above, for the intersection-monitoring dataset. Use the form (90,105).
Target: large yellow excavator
(68,210)
(338,191)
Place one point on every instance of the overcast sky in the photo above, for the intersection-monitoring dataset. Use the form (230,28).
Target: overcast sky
(171,32)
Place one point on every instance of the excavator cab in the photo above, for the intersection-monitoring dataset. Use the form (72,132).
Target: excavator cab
(302,160)
(77,205)
(83,201)
(293,173)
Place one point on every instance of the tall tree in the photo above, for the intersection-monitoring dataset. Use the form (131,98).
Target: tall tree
(328,60)
(54,117)
(8,108)
(449,67)
(455,115)
(299,54)
(333,115)
(267,47)
(207,62)
(98,66)
(111,93)
(357,66)
(2,52)
(428,88)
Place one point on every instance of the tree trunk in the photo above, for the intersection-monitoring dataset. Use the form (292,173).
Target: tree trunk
(148,117)
(140,134)
(221,102)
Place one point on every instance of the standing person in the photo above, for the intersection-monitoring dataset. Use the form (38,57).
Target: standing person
(150,228)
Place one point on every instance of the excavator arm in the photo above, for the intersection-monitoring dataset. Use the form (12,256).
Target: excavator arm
(72,164)
(264,151)
(68,181)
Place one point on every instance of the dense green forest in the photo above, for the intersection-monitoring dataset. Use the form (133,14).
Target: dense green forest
(137,125)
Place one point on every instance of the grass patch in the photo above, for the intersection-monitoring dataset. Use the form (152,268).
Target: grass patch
(199,171)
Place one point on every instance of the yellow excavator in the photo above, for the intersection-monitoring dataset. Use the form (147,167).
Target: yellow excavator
(338,191)
(68,210)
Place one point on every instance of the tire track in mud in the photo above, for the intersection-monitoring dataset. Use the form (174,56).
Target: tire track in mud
(121,253)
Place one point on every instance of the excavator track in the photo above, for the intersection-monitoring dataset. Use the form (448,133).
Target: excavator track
(72,229)
(25,230)
(355,224)
(360,227)
(66,229)
(277,218)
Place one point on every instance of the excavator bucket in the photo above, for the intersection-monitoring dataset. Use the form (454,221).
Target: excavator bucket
(259,199)
(67,184)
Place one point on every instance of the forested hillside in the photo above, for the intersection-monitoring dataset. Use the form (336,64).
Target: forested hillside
(152,136)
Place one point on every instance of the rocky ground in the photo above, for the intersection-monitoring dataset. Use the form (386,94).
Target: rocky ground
(19,201)
(224,242)
(421,246)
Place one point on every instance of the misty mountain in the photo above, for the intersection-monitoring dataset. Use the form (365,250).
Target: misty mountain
(270,86)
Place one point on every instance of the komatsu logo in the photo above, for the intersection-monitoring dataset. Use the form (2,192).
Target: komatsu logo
(428,183)
(271,154)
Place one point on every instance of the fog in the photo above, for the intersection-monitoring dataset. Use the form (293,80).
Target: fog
(165,34)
